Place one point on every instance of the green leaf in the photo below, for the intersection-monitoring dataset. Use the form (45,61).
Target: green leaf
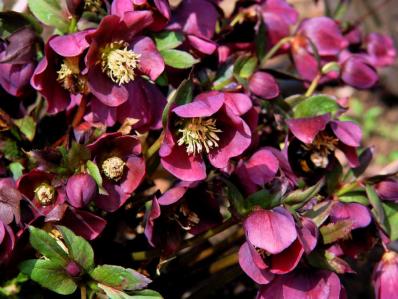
(168,40)
(50,13)
(235,197)
(178,59)
(77,155)
(260,41)
(355,196)
(314,106)
(49,275)
(336,231)
(119,277)
(182,95)
(298,198)
(320,212)
(146,294)
(47,246)
(325,259)
(391,213)
(17,169)
(244,67)
(116,294)
(95,173)
(262,198)
(27,126)
(79,249)
(377,210)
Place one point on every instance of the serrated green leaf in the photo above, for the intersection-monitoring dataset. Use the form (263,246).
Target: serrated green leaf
(355,196)
(244,67)
(298,198)
(168,40)
(391,213)
(336,231)
(314,106)
(116,294)
(49,275)
(79,249)
(47,246)
(17,169)
(27,126)
(95,173)
(178,59)
(119,277)
(320,212)
(50,13)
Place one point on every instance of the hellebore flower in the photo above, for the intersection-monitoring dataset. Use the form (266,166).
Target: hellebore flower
(117,55)
(315,141)
(358,72)
(10,199)
(160,11)
(209,126)
(264,85)
(198,26)
(385,276)
(58,76)
(273,244)
(122,167)
(388,190)
(380,50)
(186,207)
(7,241)
(80,189)
(17,60)
(320,284)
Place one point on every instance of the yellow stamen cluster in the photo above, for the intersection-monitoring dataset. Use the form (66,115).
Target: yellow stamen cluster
(64,72)
(113,168)
(70,78)
(118,62)
(321,147)
(92,5)
(198,135)
(45,194)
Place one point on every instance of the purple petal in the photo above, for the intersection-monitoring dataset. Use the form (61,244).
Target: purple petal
(308,235)
(264,85)
(262,167)
(288,259)
(281,231)
(347,132)
(135,174)
(205,104)
(80,189)
(71,44)
(281,8)
(305,129)
(203,45)
(150,222)
(388,190)
(355,212)
(358,73)
(175,193)
(239,103)
(381,49)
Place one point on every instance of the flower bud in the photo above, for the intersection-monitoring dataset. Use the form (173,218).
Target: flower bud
(73,269)
(80,189)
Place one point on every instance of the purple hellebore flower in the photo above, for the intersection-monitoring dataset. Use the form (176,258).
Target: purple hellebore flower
(145,103)
(357,71)
(80,189)
(264,85)
(160,11)
(122,167)
(315,140)
(197,19)
(7,241)
(380,50)
(10,199)
(320,284)
(388,190)
(210,125)
(117,55)
(17,60)
(385,276)
(58,76)
(186,207)
(274,245)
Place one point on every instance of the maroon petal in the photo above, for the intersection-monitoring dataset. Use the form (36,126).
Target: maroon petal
(381,49)
(150,62)
(203,45)
(281,8)
(288,259)
(264,85)
(280,228)
(119,7)
(175,193)
(205,104)
(135,174)
(262,167)
(136,21)
(71,44)
(101,113)
(308,234)
(80,189)
(357,213)
(351,154)
(114,200)
(306,63)
(305,129)
(247,265)
(388,190)
(358,73)
(150,221)
(7,241)
(239,103)
(347,132)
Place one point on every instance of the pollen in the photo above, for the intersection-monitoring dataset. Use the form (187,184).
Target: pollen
(118,62)
(321,148)
(113,168)
(198,135)
(92,5)
(70,78)
(45,194)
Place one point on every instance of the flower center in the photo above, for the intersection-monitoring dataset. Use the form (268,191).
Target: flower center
(113,168)
(389,257)
(199,134)
(118,62)
(92,5)
(321,148)
(45,194)
(69,76)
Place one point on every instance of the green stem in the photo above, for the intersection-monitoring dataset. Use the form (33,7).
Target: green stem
(275,49)
(72,25)
(154,147)
(313,86)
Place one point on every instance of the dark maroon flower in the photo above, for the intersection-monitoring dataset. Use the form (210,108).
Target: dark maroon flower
(319,284)
(210,125)
(380,49)
(10,199)
(388,190)
(122,167)
(7,242)
(46,195)
(385,276)
(58,76)
(80,189)
(199,27)
(186,207)
(160,11)
(17,60)
(117,55)
(317,138)
(264,85)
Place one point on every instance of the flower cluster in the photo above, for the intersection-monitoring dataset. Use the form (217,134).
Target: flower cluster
(150,128)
